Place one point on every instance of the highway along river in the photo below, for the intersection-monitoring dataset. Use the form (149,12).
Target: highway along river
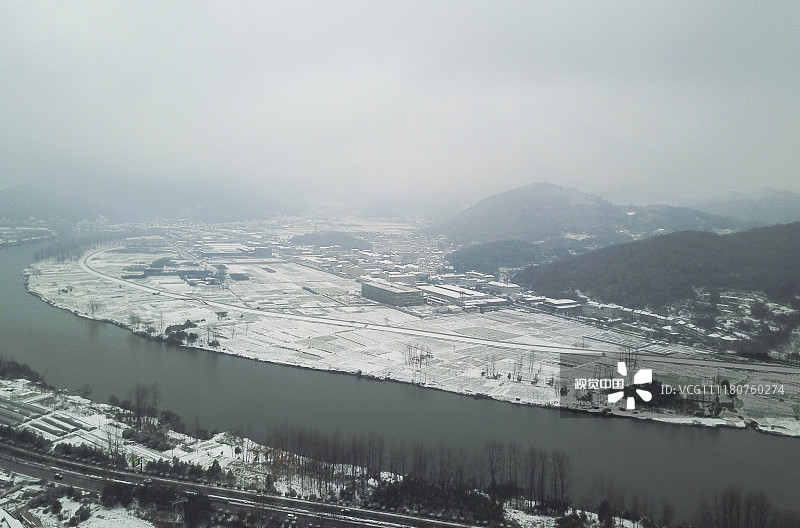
(665,462)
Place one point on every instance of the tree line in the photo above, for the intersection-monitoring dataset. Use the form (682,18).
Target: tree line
(333,462)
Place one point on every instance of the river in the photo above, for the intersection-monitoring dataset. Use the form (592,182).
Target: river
(665,462)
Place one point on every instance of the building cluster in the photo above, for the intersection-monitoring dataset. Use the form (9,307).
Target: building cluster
(729,330)
(407,266)
(409,272)
(211,249)
(434,294)
(641,322)
(404,268)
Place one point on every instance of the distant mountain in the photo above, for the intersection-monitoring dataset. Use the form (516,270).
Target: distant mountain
(140,200)
(545,211)
(762,206)
(332,238)
(665,268)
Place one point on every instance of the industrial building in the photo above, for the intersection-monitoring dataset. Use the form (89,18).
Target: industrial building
(507,289)
(449,294)
(393,294)
(407,278)
(602,311)
(562,306)
(232,250)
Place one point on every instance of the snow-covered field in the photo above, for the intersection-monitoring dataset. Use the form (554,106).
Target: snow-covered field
(100,517)
(292,314)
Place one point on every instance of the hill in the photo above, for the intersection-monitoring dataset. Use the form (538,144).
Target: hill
(544,211)
(764,206)
(663,269)
(491,256)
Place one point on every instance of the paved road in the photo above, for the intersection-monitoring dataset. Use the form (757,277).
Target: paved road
(44,467)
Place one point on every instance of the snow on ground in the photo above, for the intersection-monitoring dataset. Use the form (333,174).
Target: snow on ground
(100,517)
(250,466)
(297,315)
(527,520)
(18,491)
(248,470)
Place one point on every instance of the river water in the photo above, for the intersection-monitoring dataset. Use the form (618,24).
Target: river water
(665,462)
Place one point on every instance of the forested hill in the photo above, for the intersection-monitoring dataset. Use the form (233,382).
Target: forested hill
(544,211)
(492,256)
(665,268)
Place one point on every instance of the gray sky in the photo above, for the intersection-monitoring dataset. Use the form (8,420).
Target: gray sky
(636,101)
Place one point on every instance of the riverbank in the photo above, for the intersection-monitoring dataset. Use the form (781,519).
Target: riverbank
(227,459)
(306,330)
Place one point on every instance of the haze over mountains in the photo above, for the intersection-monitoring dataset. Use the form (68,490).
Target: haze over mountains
(204,199)
(537,224)
(544,222)
(544,211)
(437,207)
(762,206)
(534,213)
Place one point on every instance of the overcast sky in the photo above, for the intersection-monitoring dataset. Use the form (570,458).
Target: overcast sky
(637,101)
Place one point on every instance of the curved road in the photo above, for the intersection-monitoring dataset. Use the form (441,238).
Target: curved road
(84,263)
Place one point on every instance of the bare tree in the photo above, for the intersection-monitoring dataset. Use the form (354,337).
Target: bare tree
(634,502)
(113,441)
(531,474)
(95,305)
(756,510)
(561,468)
(134,320)
(514,464)
(155,398)
(667,513)
(542,464)
(494,457)
(705,515)
(729,507)
(141,400)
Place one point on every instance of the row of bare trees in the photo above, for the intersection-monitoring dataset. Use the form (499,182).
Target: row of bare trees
(727,508)
(333,461)
(142,401)
(348,465)
(535,478)
(731,508)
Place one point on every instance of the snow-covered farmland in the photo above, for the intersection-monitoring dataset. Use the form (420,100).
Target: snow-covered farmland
(286,312)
